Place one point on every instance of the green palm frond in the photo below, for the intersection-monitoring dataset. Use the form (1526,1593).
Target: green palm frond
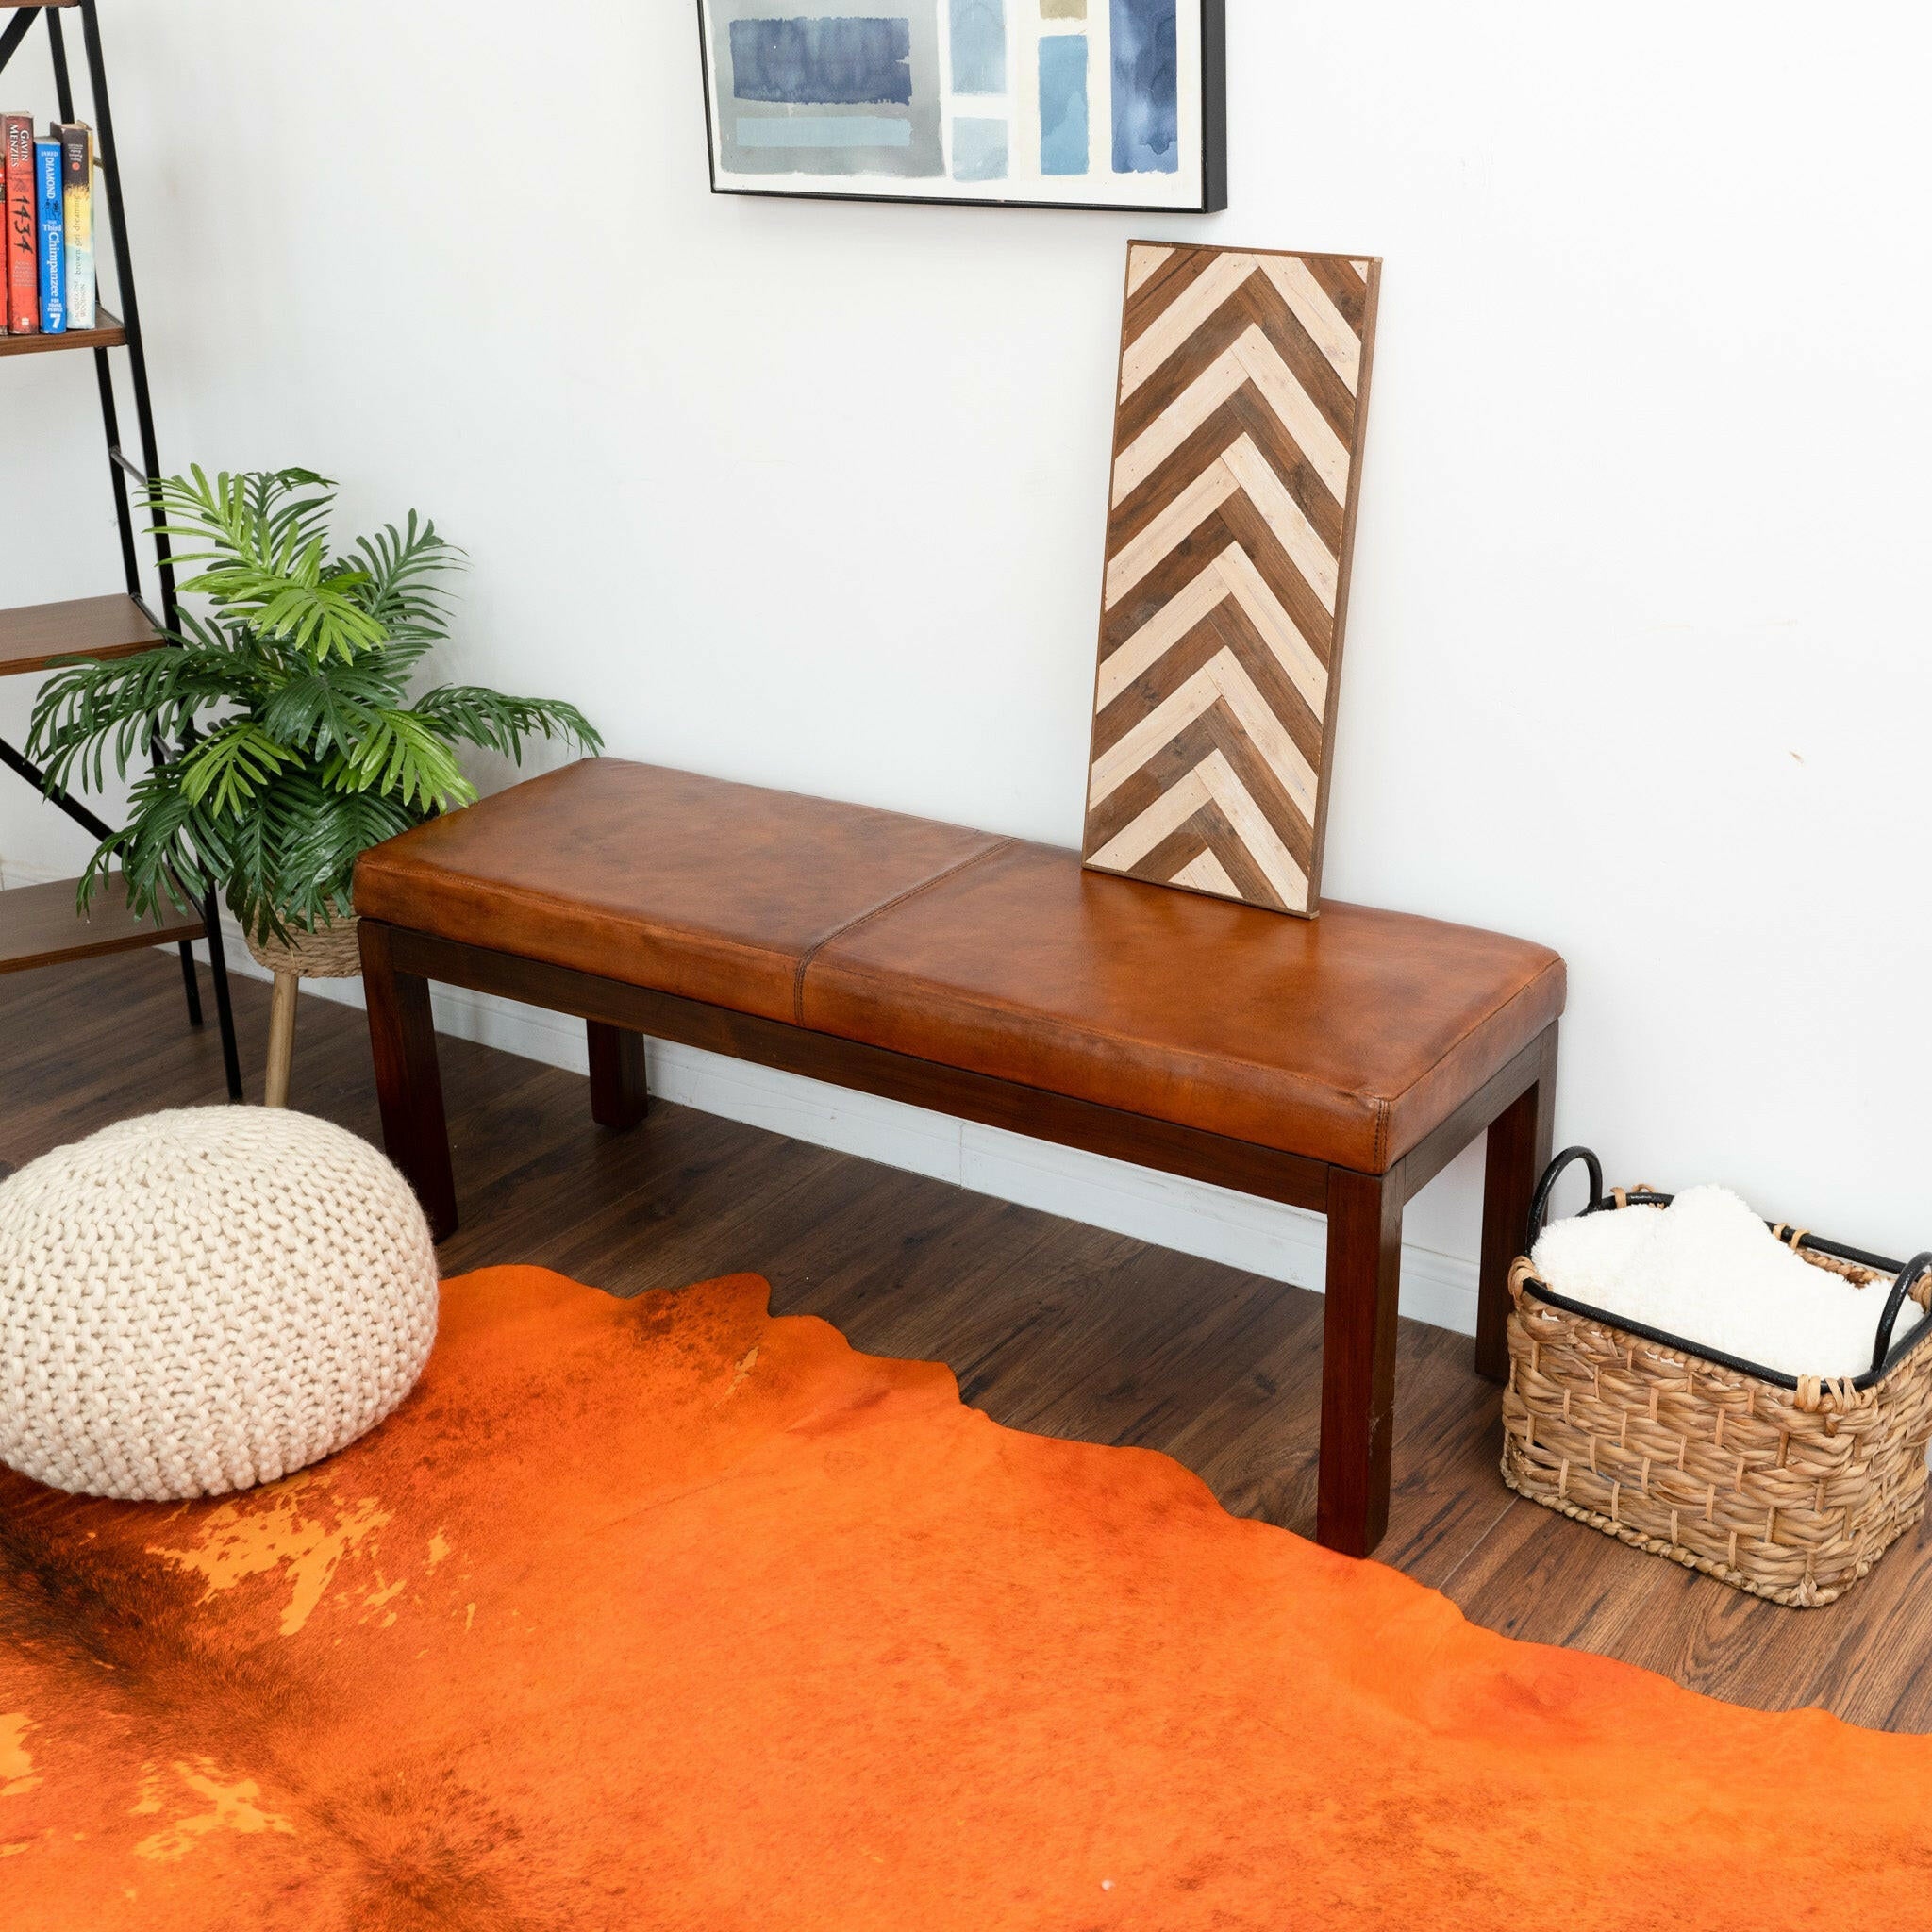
(312,837)
(483,717)
(258,513)
(265,558)
(286,598)
(171,852)
(328,706)
(403,754)
(290,519)
(289,697)
(86,710)
(399,569)
(233,764)
(193,509)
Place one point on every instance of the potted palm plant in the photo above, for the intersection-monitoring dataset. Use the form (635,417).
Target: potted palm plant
(290,698)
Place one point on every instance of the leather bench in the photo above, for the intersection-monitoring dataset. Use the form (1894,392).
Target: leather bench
(1336,1064)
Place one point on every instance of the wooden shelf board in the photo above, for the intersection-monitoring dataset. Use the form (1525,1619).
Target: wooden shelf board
(33,635)
(108,334)
(39,925)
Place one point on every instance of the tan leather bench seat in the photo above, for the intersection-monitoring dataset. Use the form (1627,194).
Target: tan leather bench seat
(1346,1038)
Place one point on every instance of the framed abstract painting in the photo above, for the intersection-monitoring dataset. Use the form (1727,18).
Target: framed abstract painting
(1117,104)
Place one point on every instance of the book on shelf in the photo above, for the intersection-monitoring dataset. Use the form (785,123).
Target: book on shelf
(48,201)
(23,227)
(50,208)
(77,174)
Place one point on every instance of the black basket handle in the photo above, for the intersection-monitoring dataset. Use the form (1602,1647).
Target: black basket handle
(1540,1201)
(1909,1276)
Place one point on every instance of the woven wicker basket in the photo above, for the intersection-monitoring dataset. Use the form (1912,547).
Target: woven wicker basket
(1789,1487)
(330,952)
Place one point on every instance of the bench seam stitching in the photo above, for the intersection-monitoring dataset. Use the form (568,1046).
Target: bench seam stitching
(884,906)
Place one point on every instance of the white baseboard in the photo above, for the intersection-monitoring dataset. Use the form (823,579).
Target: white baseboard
(1261,1237)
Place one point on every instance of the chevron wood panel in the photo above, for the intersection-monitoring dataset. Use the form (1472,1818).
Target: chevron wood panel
(1238,430)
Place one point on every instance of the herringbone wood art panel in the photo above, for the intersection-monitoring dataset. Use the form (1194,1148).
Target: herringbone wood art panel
(1244,383)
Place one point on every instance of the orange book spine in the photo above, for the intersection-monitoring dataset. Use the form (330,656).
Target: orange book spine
(23,228)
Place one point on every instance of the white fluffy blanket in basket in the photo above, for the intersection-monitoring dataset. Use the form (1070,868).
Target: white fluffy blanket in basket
(1708,1269)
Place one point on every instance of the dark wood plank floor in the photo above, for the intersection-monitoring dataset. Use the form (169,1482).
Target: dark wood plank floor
(1049,1325)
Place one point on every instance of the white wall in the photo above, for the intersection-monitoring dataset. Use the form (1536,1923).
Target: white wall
(813,494)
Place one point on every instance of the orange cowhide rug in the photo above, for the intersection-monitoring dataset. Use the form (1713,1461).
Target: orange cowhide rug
(664,1613)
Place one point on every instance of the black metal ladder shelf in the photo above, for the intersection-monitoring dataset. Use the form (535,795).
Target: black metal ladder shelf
(35,929)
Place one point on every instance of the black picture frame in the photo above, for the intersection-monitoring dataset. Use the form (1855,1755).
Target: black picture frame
(1213,145)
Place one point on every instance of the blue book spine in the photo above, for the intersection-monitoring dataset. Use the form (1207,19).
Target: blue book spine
(50,208)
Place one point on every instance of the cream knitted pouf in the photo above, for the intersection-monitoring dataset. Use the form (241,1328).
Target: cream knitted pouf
(200,1300)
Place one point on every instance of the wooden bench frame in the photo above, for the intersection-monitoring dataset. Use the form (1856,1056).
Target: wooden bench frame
(1364,1210)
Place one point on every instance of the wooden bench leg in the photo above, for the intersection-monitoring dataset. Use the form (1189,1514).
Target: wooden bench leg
(619,1096)
(1519,1143)
(408,1082)
(1358,1359)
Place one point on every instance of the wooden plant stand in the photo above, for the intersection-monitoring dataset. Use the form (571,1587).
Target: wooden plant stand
(331,952)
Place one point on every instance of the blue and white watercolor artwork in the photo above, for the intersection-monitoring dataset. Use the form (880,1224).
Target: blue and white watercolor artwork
(1087,103)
